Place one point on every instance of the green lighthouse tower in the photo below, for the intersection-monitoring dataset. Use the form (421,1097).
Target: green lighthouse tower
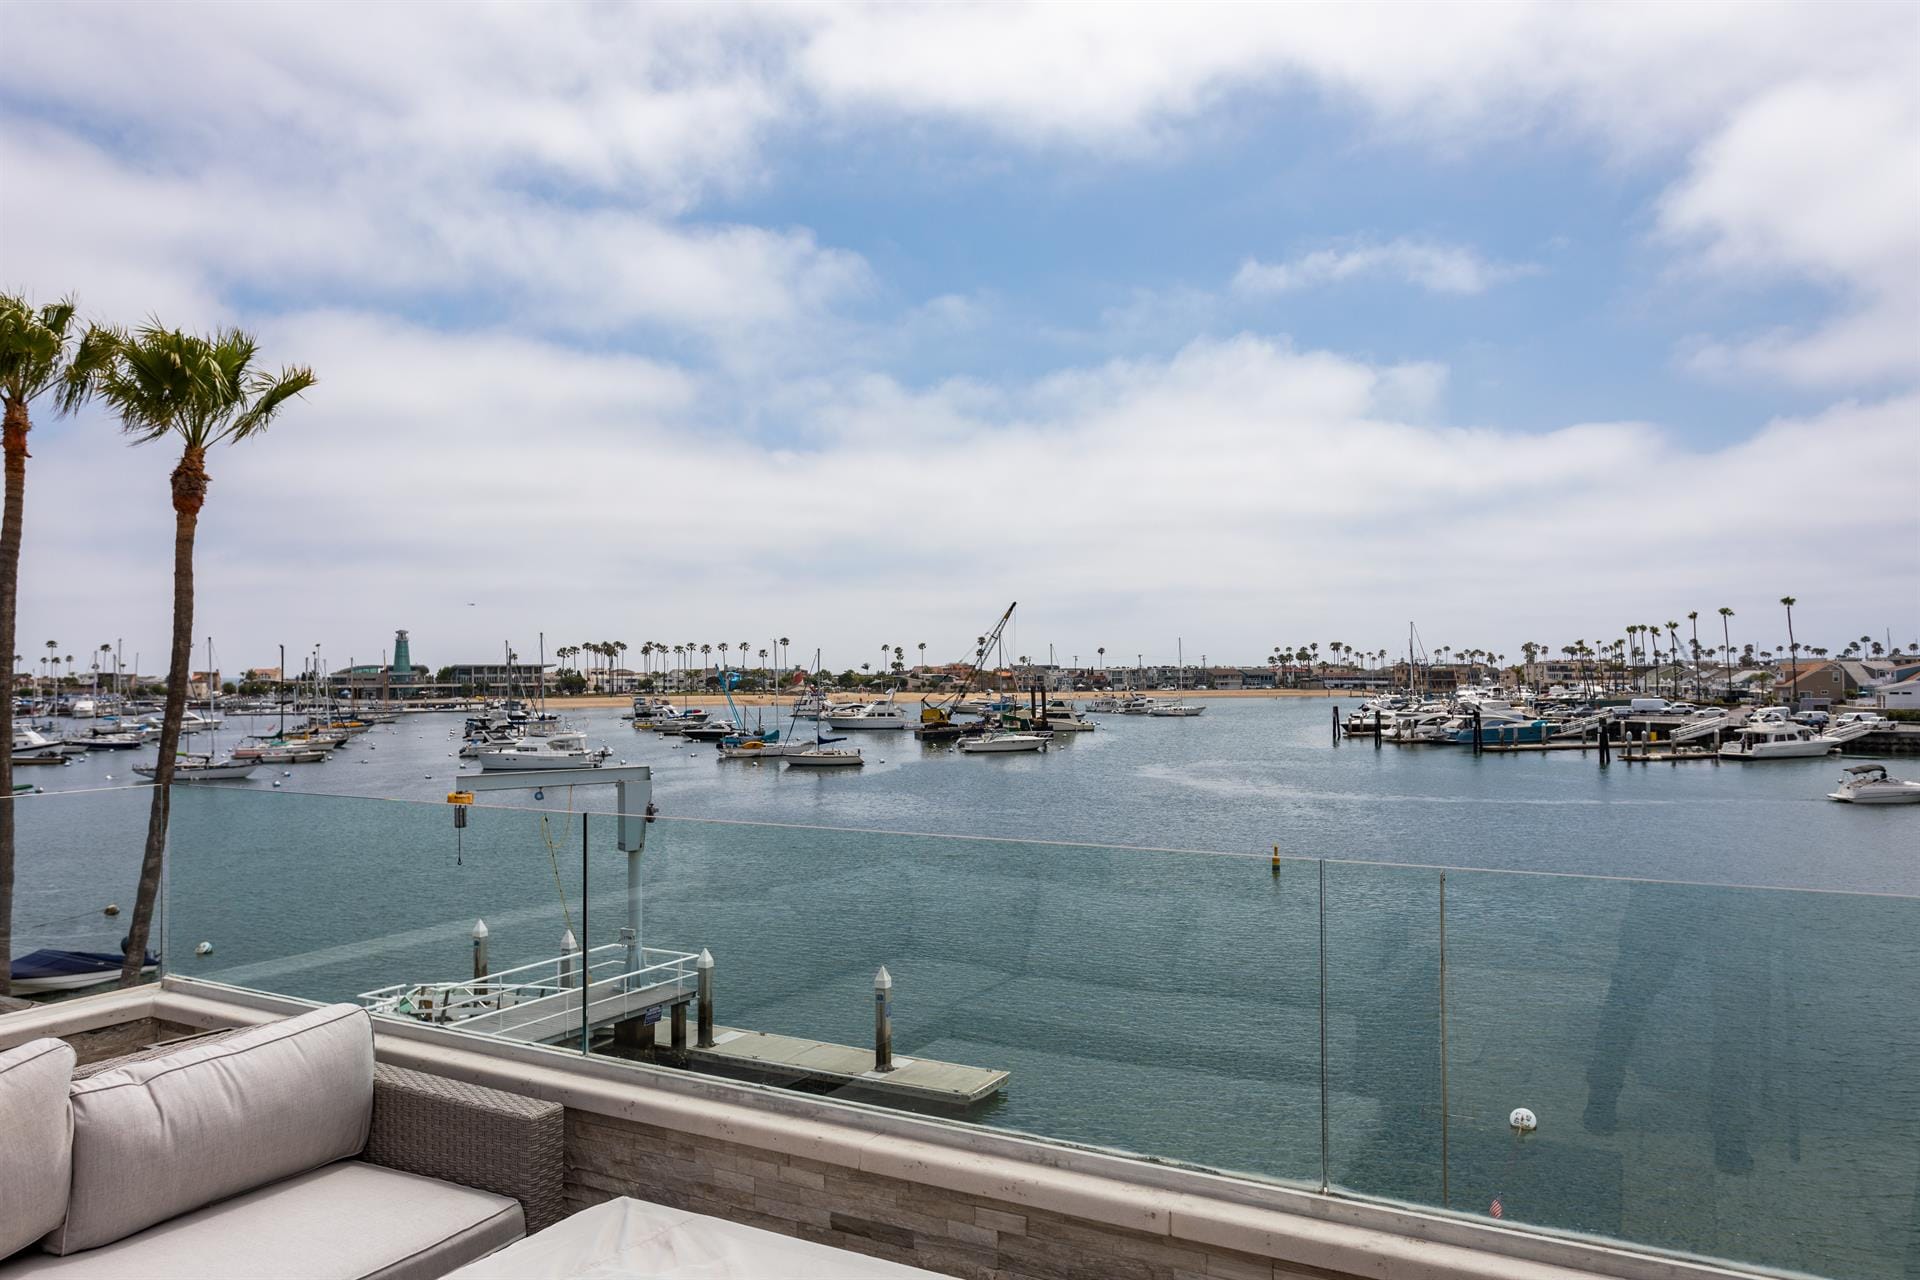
(402,669)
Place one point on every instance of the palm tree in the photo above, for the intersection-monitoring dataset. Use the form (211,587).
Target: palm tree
(1793,649)
(1726,647)
(36,358)
(923,653)
(205,391)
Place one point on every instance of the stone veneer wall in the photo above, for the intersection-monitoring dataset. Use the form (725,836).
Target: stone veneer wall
(901,1221)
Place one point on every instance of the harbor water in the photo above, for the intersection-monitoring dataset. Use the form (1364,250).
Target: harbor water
(1704,978)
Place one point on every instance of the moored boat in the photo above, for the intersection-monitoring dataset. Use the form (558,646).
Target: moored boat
(990,743)
(201,768)
(1776,740)
(50,969)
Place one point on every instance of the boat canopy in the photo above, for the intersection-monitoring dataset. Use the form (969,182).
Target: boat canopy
(1866,768)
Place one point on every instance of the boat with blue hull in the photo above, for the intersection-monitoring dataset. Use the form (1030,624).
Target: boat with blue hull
(49,969)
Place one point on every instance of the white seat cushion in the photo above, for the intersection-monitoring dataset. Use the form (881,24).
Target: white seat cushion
(348,1221)
(36,1141)
(629,1239)
(163,1136)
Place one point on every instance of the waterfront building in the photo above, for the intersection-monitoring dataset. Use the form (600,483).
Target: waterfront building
(494,678)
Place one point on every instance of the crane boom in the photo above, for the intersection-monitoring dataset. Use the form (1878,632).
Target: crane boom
(940,711)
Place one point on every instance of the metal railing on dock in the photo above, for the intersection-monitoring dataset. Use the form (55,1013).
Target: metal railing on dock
(543,1000)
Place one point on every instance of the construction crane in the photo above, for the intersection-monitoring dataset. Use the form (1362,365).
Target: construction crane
(936,714)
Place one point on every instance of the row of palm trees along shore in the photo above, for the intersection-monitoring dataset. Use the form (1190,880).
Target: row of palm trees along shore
(197,390)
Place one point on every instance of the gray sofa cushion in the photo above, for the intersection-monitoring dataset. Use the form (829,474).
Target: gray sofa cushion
(158,1138)
(36,1140)
(348,1221)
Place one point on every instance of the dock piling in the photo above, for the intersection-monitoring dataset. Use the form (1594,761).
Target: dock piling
(568,947)
(704,968)
(882,1020)
(1376,728)
(480,967)
(1336,724)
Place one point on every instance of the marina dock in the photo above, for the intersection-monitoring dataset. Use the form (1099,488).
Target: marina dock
(791,1060)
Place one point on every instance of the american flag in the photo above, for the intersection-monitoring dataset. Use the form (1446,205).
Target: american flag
(1495,1209)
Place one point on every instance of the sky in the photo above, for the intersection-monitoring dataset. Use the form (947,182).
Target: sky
(1201,330)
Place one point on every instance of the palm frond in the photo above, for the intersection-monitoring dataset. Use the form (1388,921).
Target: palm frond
(33,345)
(202,389)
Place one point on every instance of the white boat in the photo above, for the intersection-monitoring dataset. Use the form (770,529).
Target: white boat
(809,707)
(1776,740)
(83,709)
(201,768)
(1138,707)
(814,757)
(1104,706)
(710,730)
(1176,709)
(1869,784)
(30,744)
(996,742)
(566,750)
(192,721)
(868,715)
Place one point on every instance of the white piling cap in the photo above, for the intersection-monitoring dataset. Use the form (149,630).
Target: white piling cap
(568,942)
(479,930)
(882,981)
(705,961)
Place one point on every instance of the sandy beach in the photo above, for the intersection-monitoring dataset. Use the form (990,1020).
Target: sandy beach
(848,695)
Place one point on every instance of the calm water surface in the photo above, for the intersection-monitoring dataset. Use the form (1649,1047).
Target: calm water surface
(1731,1071)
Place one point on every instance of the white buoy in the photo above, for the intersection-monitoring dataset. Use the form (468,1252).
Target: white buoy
(1523,1120)
(112,909)
(276,782)
(203,949)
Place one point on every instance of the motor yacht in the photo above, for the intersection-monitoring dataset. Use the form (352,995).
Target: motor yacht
(564,750)
(30,744)
(1771,739)
(988,743)
(869,715)
(1176,709)
(1105,706)
(1870,784)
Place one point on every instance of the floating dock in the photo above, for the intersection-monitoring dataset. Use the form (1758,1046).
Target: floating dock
(789,1060)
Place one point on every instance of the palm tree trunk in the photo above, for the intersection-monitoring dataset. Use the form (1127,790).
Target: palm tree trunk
(16,447)
(189,493)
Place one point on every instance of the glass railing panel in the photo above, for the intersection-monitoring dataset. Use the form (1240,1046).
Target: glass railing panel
(76,853)
(1721,1071)
(1384,1089)
(327,897)
(1160,1003)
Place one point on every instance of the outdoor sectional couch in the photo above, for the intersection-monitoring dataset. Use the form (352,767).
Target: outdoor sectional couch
(280,1149)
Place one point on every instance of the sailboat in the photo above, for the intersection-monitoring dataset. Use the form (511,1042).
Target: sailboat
(1178,708)
(204,766)
(822,756)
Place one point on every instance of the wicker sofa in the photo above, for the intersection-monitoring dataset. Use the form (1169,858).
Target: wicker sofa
(280,1149)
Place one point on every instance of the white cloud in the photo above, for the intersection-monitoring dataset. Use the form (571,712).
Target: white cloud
(1425,264)
(1239,485)
(131,241)
(1818,181)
